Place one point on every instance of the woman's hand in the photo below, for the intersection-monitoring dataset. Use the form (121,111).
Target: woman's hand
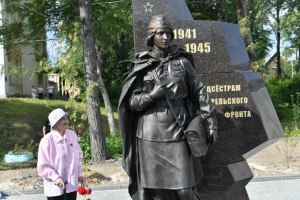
(81,178)
(59,182)
(158,91)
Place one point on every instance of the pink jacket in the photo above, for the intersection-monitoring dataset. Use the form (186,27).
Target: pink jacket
(59,157)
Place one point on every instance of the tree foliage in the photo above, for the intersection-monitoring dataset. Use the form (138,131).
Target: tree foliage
(216,10)
(115,37)
(260,18)
(286,99)
(113,33)
(244,13)
(29,21)
(291,34)
(71,62)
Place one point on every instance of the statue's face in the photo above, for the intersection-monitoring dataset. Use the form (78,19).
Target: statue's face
(162,38)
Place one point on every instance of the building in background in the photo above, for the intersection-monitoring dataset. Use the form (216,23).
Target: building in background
(271,64)
(62,87)
(20,59)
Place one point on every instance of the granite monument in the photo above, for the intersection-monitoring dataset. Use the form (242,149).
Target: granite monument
(246,117)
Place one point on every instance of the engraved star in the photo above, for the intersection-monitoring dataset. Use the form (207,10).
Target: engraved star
(148,7)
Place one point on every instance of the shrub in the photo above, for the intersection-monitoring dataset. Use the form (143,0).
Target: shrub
(84,142)
(291,133)
(285,96)
(281,89)
(31,147)
(114,144)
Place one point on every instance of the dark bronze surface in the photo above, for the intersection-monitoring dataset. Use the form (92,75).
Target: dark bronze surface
(247,121)
(159,94)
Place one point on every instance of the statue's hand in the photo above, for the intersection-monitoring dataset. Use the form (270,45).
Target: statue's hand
(213,135)
(158,91)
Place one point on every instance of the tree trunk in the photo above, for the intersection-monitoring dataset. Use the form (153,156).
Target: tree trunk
(98,145)
(278,63)
(243,13)
(220,12)
(107,103)
(298,63)
(278,37)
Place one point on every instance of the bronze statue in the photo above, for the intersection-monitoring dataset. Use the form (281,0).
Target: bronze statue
(156,155)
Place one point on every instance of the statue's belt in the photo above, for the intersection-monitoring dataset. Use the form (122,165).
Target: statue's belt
(164,103)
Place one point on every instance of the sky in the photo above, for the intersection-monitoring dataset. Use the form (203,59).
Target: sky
(52,47)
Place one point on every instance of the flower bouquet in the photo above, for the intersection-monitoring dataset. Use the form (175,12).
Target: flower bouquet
(83,189)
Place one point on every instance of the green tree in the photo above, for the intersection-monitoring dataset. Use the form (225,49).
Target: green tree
(114,38)
(114,41)
(93,97)
(291,34)
(244,22)
(216,10)
(258,19)
(261,44)
(279,14)
(62,18)
(70,61)
(246,13)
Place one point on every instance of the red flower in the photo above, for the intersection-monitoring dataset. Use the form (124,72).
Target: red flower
(84,191)
(88,191)
(81,190)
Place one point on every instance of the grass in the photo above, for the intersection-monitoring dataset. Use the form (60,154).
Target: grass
(22,120)
(7,166)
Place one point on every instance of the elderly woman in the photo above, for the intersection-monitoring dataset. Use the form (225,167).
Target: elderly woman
(60,159)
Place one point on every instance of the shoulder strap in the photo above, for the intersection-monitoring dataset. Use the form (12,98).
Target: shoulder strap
(181,62)
(168,101)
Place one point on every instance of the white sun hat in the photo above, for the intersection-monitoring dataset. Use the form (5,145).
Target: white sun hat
(56,115)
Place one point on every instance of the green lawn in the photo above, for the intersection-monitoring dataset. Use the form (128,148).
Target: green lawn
(22,119)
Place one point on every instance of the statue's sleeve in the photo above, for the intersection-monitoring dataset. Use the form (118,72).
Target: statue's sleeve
(139,99)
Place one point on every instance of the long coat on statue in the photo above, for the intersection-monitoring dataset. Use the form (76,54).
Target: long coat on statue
(156,154)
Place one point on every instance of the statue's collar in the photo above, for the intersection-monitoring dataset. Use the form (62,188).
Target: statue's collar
(174,51)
